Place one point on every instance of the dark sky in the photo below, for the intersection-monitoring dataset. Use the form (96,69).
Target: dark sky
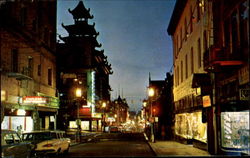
(133,34)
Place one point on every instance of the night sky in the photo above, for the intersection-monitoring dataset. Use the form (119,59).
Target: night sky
(133,34)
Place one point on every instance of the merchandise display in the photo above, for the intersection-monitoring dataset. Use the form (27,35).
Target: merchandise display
(190,126)
(235,130)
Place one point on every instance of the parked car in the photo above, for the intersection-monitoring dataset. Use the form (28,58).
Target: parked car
(113,129)
(13,146)
(47,142)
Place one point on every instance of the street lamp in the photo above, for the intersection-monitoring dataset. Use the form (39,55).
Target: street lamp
(144,105)
(78,94)
(151,93)
(103,106)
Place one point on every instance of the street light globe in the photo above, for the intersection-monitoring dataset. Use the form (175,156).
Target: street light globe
(151,92)
(78,92)
(144,104)
(103,104)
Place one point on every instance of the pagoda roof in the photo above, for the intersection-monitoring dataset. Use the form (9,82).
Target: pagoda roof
(102,62)
(81,28)
(81,12)
(79,39)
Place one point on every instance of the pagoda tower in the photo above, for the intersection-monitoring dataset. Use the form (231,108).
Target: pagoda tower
(82,66)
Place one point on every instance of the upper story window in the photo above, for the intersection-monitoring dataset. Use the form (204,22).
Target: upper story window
(39,68)
(198,10)
(50,76)
(199,52)
(244,24)
(192,60)
(30,65)
(14,60)
(186,65)
(185,31)
(191,20)
(23,16)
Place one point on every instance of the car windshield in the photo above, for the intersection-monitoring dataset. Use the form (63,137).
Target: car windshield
(37,136)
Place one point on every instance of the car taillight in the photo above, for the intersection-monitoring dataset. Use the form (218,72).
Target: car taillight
(47,145)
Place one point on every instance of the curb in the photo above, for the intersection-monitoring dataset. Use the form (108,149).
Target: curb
(147,140)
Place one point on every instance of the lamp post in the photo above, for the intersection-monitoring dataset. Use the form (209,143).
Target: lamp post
(78,94)
(103,106)
(151,93)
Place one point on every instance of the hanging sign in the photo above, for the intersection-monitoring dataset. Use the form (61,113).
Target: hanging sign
(206,101)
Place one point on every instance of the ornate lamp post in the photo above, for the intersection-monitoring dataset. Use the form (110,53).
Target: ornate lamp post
(78,94)
(151,93)
(145,119)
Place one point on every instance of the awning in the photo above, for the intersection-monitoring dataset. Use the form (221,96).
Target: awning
(200,80)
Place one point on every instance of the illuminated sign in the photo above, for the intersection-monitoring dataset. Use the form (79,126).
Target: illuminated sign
(34,100)
(206,101)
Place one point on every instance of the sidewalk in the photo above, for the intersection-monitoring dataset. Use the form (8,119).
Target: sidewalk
(173,148)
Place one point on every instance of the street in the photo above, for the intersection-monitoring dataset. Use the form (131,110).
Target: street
(114,144)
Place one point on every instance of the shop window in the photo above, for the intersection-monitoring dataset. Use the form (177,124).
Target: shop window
(235,131)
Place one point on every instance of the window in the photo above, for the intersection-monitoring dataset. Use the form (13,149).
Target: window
(178,75)
(50,76)
(192,60)
(191,20)
(199,52)
(14,62)
(23,16)
(198,10)
(244,22)
(39,70)
(185,24)
(181,71)
(205,47)
(186,62)
(30,66)
(180,37)
(235,33)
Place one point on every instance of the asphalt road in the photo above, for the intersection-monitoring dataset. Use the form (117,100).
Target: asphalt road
(113,145)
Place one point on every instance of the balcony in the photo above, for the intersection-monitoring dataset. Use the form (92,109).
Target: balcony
(25,74)
(218,58)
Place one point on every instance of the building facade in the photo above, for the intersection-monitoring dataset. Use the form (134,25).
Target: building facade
(82,67)
(28,65)
(226,59)
(211,73)
(190,35)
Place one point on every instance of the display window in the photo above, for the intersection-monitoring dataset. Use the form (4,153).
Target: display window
(235,131)
(190,126)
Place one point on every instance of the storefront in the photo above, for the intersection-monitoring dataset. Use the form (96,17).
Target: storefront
(235,136)
(17,119)
(189,126)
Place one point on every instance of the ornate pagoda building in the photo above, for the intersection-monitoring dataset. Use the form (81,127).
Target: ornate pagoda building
(84,69)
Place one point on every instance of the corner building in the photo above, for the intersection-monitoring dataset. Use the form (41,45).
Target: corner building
(211,74)
(28,65)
